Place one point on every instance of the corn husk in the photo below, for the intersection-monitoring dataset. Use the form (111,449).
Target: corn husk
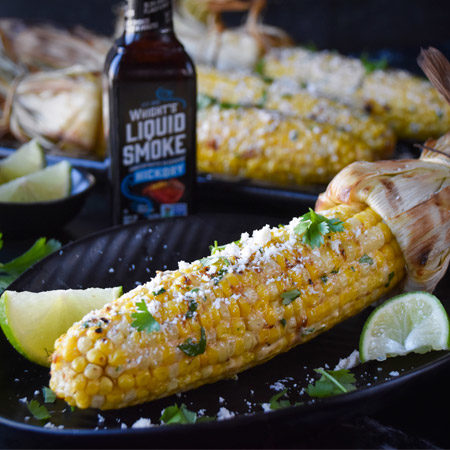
(413,199)
(199,26)
(60,108)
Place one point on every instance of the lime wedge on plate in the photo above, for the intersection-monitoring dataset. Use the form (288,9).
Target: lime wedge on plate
(412,322)
(25,160)
(33,321)
(51,183)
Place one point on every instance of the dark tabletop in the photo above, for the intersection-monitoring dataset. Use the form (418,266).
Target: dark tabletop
(415,417)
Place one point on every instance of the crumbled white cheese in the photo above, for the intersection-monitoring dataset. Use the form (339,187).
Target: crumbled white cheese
(277,386)
(142,423)
(394,373)
(349,362)
(266,407)
(224,414)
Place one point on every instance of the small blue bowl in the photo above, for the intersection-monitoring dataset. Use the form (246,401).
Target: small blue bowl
(24,219)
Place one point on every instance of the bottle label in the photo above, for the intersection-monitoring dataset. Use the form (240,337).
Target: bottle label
(148,15)
(155,163)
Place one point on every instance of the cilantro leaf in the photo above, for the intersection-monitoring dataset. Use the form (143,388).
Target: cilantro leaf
(192,307)
(11,270)
(192,348)
(313,227)
(276,403)
(38,411)
(178,415)
(283,322)
(371,65)
(159,292)
(390,277)
(144,321)
(332,382)
(289,296)
(204,101)
(216,248)
(49,395)
(324,278)
(366,259)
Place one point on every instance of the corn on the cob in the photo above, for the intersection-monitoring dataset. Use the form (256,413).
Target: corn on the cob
(409,104)
(269,146)
(239,88)
(253,299)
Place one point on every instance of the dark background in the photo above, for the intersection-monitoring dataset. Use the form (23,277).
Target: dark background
(350,26)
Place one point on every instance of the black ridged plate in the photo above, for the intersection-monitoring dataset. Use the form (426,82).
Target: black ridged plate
(130,255)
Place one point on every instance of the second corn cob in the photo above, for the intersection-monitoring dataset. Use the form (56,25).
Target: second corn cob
(271,147)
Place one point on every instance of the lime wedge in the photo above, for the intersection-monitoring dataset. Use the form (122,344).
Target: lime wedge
(51,183)
(27,159)
(412,322)
(33,321)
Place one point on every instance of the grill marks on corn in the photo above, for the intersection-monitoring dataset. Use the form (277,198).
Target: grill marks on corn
(242,313)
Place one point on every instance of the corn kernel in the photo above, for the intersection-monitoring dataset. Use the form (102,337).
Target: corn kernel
(143,378)
(96,357)
(117,358)
(82,400)
(79,382)
(84,344)
(105,386)
(105,346)
(92,371)
(79,364)
(92,387)
(125,382)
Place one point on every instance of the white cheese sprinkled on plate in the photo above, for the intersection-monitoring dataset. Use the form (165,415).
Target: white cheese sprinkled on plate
(349,362)
(142,423)
(224,414)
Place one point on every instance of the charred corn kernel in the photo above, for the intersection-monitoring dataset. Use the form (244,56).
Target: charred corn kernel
(269,146)
(96,357)
(407,103)
(92,371)
(105,386)
(79,364)
(240,316)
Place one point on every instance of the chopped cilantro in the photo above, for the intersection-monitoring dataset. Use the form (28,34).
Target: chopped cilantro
(371,65)
(72,408)
(161,291)
(334,271)
(324,278)
(307,331)
(332,382)
(313,227)
(191,348)
(39,412)
(144,321)
(289,296)
(178,415)
(204,101)
(276,403)
(283,322)
(390,277)
(194,290)
(215,248)
(11,270)
(192,307)
(259,66)
(49,395)
(366,259)
(352,268)
(311,46)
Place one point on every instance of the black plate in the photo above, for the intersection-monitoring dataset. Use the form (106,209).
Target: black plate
(21,219)
(130,255)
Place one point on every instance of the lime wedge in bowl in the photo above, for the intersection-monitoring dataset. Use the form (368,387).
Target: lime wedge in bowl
(51,183)
(33,321)
(412,322)
(25,160)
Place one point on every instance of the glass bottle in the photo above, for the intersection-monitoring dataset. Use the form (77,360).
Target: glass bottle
(151,111)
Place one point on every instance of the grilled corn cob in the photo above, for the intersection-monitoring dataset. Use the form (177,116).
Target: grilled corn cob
(409,104)
(253,299)
(269,146)
(238,88)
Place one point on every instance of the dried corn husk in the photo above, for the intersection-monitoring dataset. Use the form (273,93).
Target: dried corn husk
(60,108)
(208,41)
(413,198)
(42,47)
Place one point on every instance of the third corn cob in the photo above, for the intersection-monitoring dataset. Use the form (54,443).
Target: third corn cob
(409,104)
(254,299)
